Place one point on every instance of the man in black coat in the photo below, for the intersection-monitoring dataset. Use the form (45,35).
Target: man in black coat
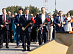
(25,20)
(18,26)
(43,32)
(4,25)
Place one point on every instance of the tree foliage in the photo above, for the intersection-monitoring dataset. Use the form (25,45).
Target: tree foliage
(13,9)
(32,10)
(71,12)
(55,13)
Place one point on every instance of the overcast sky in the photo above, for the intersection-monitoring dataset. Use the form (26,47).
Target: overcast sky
(64,5)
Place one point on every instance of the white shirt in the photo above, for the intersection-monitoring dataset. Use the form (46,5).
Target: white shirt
(43,18)
(26,16)
(52,19)
(60,20)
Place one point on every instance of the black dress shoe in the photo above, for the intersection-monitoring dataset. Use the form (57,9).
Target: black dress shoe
(28,50)
(7,47)
(24,50)
(1,46)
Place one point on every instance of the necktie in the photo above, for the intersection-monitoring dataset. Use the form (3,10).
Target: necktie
(26,18)
(4,20)
(61,21)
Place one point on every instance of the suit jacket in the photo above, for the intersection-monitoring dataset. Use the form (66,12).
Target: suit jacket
(17,20)
(2,20)
(24,22)
(57,21)
(39,21)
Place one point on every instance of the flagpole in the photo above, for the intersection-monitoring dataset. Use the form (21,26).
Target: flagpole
(55,4)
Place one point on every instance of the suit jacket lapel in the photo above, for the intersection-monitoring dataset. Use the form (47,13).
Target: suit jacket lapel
(40,17)
(45,16)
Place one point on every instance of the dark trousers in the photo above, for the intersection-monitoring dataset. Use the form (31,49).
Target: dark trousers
(18,32)
(5,35)
(26,38)
(34,34)
(10,36)
(7,39)
(10,33)
(1,39)
(43,36)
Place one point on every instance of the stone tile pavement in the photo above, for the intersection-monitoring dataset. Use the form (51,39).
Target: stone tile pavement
(13,50)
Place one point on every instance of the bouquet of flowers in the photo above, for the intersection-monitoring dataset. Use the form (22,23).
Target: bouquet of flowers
(32,21)
(7,20)
(47,20)
(4,24)
(65,19)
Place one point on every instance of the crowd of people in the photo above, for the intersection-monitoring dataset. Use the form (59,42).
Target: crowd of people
(26,28)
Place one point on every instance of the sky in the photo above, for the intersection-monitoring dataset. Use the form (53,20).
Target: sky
(63,5)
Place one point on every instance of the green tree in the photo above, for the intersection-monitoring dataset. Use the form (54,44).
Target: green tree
(13,9)
(71,12)
(32,10)
(55,13)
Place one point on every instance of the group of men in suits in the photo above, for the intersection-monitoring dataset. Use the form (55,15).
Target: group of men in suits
(22,20)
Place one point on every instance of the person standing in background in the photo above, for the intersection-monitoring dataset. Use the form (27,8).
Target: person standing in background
(72,22)
(68,26)
(51,28)
(60,22)
(18,26)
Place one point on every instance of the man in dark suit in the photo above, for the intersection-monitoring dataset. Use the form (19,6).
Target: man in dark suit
(18,26)
(43,32)
(25,20)
(60,22)
(4,24)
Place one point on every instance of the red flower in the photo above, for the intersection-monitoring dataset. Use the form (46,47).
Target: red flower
(32,19)
(66,19)
(48,19)
(25,27)
(7,20)
(71,18)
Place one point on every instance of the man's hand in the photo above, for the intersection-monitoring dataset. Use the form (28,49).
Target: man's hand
(23,28)
(45,22)
(6,23)
(31,23)
(2,26)
(63,23)
(31,27)
(17,24)
(59,25)
(41,25)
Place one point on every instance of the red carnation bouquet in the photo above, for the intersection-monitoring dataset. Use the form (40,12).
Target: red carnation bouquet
(65,19)
(7,20)
(47,20)
(4,24)
(32,21)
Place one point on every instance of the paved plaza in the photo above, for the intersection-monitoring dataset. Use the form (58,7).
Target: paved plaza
(13,50)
